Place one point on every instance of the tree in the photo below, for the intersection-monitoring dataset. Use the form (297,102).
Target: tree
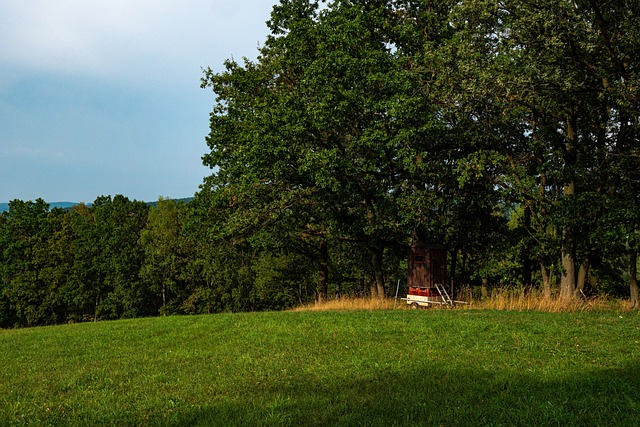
(118,223)
(319,127)
(86,284)
(54,258)
(24,239)
(162,243)
(232,271)
(539,80)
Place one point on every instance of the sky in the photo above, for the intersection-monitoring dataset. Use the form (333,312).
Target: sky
(103,97)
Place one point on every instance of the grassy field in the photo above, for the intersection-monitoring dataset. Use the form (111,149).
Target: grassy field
(367,367)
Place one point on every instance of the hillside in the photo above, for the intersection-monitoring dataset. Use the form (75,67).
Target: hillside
(4,206)
(62,205)
(439,367)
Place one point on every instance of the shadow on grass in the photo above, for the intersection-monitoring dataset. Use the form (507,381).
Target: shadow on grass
(430,397)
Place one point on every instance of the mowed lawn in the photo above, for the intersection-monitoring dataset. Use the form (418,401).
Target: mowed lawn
(351,368)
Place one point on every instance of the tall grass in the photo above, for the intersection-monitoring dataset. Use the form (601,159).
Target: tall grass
(352,303)
(533,299)
(510,299)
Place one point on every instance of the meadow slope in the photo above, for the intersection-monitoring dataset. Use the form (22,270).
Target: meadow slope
(371,368)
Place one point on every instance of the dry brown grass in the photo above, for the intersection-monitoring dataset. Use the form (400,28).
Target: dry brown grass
(500,299)
(352,303)
(526,299)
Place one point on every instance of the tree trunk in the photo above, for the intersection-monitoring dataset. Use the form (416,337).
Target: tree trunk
(545,271)
(484,289)
(526,251)
(463,270)
(164,299)
(546,279)
(376,258)
(323,272)
(568,278)
(373,290)
(583,273)
(452,273)
(361,287)
(633,282)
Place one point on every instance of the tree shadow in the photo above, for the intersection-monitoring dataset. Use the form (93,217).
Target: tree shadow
(431,396)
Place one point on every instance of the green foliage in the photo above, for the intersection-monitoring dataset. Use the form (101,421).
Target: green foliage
(118,224)
(506,131)
(29,269)
(60,266)
(164,250)
(326,129)
(276,281)
(545,74)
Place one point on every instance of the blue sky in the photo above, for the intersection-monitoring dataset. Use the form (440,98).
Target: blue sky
(103,97)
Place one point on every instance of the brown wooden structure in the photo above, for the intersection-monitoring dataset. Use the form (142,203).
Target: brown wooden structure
(427,275)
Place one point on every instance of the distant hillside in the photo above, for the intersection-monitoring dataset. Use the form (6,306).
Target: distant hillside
(62,205)
(68,205)
(183,200)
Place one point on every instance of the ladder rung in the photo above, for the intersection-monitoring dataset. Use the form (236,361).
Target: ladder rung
(443,293)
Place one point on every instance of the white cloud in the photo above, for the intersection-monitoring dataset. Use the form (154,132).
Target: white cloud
(132,39)
(102,96)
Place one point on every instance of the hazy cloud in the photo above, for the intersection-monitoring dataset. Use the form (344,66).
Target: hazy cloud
(134,39)
(103,97)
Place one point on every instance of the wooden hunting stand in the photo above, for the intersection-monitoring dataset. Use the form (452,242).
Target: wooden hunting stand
(427,276)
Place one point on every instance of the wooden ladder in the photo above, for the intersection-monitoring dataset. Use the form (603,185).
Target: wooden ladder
(443,293)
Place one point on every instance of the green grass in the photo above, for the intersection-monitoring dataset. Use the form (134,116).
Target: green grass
(369,368)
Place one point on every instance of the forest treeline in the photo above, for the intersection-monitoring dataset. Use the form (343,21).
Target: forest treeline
(506,131)
(119,258)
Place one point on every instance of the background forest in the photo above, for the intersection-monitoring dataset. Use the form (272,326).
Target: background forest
(505,130)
